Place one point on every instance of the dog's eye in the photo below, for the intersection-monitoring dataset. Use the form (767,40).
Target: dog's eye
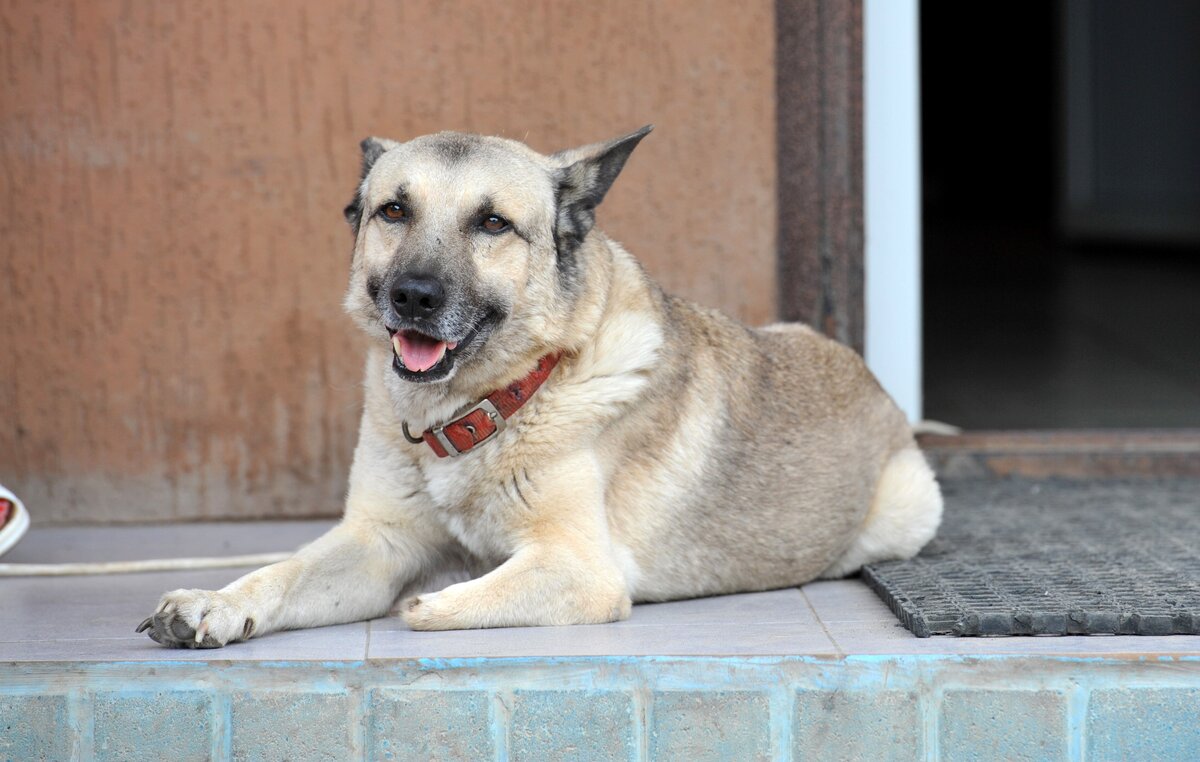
(494,223)
(394,212)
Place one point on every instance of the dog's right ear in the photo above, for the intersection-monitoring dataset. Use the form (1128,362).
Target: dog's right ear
(584,177)
(372,149)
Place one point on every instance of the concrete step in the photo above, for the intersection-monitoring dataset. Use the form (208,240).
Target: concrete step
(627,708)
(822,672)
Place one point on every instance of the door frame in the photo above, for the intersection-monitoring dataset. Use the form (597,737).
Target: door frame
(847,126)
(892,205)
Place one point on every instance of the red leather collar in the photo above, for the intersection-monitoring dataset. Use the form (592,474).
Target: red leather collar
(483,420)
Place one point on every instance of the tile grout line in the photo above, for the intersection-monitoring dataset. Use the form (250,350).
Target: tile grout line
(501,723)
(1077,701)
(360,726)
(221,710)
(836,647)
(81,718)
(367,646)
(930,713)
(781,704)
(642,698)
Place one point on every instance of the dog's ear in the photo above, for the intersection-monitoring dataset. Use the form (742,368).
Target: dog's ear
(583,178)
(372,149)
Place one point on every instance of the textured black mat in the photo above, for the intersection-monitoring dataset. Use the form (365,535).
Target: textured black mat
(1054,558)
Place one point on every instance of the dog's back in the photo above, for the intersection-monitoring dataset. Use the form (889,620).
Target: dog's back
(751,459)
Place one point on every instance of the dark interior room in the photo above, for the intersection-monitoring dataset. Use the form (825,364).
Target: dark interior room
(1061,176)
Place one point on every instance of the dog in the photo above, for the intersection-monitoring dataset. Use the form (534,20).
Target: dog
(537,408)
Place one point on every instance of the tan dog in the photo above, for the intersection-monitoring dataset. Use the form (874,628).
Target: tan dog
(618,444)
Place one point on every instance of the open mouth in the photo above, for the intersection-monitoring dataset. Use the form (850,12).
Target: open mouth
(420,357)
(418,352)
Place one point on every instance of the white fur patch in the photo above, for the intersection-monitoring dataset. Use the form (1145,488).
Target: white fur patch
(628,565)
(905,514)
(629,342)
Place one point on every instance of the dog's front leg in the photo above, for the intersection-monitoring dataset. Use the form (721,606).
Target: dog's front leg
(562,572)
(352,572)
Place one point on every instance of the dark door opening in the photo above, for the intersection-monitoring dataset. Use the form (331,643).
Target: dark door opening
(1061,163)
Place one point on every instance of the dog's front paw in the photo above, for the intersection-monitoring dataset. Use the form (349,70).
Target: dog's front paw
(198,619)
(427,612)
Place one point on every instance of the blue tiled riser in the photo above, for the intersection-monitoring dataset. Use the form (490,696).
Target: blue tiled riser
(632,708)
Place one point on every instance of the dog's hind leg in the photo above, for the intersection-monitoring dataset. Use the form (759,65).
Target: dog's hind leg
(904,515)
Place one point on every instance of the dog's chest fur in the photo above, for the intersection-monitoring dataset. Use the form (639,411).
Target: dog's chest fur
(474,501)
(481,497)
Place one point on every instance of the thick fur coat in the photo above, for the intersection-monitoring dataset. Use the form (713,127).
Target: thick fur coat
(672,453)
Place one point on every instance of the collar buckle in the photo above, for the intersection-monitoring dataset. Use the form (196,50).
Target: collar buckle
(471,421)
(489,409)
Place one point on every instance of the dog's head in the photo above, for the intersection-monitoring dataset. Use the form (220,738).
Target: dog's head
(468,245)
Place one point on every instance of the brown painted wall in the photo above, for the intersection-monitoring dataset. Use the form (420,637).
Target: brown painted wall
(172,177)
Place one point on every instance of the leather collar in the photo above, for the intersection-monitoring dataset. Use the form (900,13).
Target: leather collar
(478,423)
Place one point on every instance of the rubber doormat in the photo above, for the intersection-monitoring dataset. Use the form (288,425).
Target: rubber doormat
(1054,558)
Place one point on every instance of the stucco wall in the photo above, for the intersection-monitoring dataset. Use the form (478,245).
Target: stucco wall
(172,178)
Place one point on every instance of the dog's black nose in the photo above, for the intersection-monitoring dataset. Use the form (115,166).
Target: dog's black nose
(417,296)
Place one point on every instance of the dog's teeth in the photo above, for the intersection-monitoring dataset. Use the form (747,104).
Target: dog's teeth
(418,353)
(451,345)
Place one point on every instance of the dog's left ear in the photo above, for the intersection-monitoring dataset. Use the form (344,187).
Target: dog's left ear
(584,177)
(372,149)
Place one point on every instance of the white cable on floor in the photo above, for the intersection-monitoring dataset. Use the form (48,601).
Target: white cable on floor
(129,567)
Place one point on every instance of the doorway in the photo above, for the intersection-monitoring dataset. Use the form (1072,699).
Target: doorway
(1061,174)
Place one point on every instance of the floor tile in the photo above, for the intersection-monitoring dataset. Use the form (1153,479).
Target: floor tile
(391,639)
(93,606)
(92,618)
(346,642)
(45,545)
(845,600)
(773,606)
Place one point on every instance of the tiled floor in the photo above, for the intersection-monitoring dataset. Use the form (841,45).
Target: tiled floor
(93,618)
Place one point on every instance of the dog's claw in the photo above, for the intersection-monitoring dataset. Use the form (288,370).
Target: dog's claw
(194,619)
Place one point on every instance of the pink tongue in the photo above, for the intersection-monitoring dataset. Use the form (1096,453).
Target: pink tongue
(418,351)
